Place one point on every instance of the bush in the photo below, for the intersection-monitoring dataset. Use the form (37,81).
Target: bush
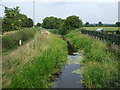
(10,40)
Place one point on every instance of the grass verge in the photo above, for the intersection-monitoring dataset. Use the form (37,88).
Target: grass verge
(31,65)
(100,66)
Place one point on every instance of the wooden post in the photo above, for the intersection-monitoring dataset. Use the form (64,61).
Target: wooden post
(20,42)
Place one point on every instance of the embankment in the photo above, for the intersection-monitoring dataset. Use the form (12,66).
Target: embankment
(31,65)
(10,40)
(100,66)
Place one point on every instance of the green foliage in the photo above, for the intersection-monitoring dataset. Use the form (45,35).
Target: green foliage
(117,24)
(87,24)
(63,30)
(52,22)
(70,23)
(35,62)
(100,24)
(63,25)
(10,40)
(58,23)
(100,66)
(48,22)
(27,23)
(14,20)
(38,24)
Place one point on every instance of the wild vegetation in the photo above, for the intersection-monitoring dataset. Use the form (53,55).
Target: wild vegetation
(10,40)
(100,66)
(31,65)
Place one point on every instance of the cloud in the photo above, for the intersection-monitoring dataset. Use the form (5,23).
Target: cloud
(60,0)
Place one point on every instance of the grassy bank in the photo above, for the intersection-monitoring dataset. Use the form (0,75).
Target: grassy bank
(31,65)
(11,39)
(105,28)
(100,66)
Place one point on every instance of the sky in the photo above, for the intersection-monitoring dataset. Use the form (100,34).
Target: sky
(91,11)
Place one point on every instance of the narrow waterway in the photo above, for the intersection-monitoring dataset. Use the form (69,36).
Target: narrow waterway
(70,76)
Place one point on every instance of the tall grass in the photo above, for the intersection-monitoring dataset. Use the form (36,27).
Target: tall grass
(100,66)
(31,65)
(11,40)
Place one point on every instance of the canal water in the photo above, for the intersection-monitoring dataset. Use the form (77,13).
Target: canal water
(70,76)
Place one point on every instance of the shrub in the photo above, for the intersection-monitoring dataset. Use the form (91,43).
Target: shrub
(10,40)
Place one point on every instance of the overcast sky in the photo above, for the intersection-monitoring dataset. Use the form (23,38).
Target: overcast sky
(91,11)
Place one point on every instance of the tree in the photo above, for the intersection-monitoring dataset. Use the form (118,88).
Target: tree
(57,23)
(28,22)
(38,24)
(70,23)
(100,24)
(87,23)
(14,20)
(117,24)
(9,21)
(62,29)
(48,22)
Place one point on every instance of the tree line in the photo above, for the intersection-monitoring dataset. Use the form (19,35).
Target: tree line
(14,20)
(87,24)
(63,25)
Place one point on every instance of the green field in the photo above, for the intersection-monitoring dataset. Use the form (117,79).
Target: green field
(105,28)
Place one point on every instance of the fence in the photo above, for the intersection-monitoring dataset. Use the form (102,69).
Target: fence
(112,38)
